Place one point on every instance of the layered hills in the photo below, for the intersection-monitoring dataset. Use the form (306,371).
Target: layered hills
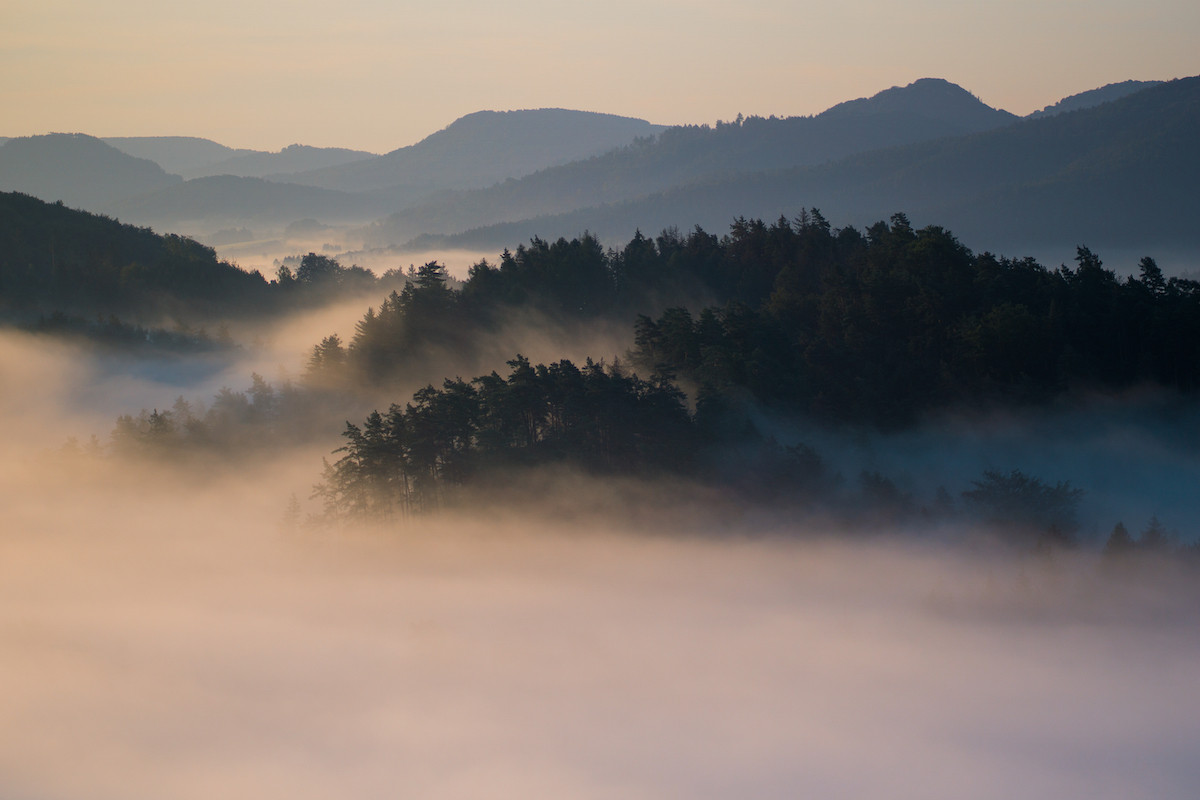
(481,148)
(681,156)
(1119,174)
(192,157)
(1111,167)
(79,170)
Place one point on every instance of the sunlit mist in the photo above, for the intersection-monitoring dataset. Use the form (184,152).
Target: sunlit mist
(170,633)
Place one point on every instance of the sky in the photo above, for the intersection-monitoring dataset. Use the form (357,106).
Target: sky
(381,74)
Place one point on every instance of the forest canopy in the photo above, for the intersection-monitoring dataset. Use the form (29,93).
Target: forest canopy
(864,330)
(878,327)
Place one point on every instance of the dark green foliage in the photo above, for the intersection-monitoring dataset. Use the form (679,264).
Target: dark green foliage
(62,263)
(413,327)
(886,327)
(55,258)
(595,417)
(569,283)
(1016,500)
(875,328)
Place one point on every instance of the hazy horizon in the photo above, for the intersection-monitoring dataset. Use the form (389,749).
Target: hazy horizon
(383,149)
(376,77)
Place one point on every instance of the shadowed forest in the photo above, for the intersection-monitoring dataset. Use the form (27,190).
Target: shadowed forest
(739,363)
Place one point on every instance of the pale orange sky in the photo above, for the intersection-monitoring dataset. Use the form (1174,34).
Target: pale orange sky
(377,75)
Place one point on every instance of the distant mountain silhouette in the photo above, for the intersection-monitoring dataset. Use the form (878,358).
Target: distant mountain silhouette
(924,110)
(1122,174)
(193,157)
(291,159)
(480,149)
(181,155)
(928,105)
(205,203)
(1093,98)
(1113,170)
(77,169)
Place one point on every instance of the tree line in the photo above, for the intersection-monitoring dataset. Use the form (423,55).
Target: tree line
(889,326)
(878,327)
(598,416)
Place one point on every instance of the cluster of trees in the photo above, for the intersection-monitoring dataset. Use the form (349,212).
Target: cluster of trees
(320,277)
(876,327)
(412,326)
(564,283)
(259,419)
(596,416)
(872,328)
(884,327)
(417,457)
(1154,541)
(1022,502)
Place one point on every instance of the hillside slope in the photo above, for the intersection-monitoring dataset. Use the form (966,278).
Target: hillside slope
(1122,174)
(924,110)
(77,169)
(482,148)
(55,258)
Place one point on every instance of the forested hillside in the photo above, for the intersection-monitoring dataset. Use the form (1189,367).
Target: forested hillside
(54,258)
(1094,97)
(878,330)
(58,259)
(876,327)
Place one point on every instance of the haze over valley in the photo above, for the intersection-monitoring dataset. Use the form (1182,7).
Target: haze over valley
(599,401)
(1014,185)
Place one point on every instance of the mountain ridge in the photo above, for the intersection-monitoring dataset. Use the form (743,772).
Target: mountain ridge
(687,154)
(1093,97)
(482,148)
(78,169)
(1033,175)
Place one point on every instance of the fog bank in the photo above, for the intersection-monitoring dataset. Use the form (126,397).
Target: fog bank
(172,642)
(164,636)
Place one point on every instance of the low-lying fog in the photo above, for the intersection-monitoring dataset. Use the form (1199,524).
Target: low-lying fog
(166,637)
(170,641)
(77,390)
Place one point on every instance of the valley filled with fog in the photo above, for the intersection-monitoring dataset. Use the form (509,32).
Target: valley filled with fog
(169,632)
(565,454)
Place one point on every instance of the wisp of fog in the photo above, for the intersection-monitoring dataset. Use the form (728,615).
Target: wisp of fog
(163,636)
